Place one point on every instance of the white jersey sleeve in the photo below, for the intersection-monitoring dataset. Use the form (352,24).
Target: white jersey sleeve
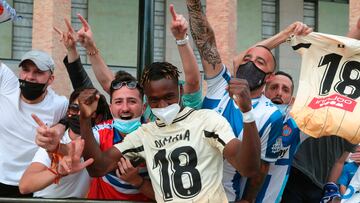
(327,100)
(220,132)
(132,145)
(216,85)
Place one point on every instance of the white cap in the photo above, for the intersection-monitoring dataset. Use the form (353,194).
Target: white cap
(41,59)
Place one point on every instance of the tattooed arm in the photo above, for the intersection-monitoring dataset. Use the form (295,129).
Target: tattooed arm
(204,38)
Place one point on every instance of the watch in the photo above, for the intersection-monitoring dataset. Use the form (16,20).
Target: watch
(184,41)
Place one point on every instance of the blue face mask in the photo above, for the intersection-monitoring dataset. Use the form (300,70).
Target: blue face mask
(127,126)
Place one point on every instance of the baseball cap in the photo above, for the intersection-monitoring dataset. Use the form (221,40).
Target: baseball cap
(41,59)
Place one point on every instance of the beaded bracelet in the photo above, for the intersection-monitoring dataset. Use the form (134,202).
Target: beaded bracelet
(93,53)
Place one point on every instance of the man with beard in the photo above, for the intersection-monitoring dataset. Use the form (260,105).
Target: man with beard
(254,68)
(18,129)
(280,91)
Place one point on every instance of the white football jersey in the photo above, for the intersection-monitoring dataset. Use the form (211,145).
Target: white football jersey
(184,159)
(329,86)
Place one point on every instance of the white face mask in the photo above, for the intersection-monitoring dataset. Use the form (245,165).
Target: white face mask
(167,114)
(283,108)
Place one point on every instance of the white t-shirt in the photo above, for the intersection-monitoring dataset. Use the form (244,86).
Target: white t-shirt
(184,159)
(74,185)
(328,96)
(17,127)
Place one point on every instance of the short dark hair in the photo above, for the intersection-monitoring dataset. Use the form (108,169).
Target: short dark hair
(288,76)
(267,48)
(74,95)
(159,70)
(123,76)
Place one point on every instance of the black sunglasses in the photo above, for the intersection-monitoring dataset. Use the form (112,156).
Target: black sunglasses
(130,84)
(74,109)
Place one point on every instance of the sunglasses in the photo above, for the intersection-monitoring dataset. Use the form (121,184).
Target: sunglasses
(129,84)
(73,109)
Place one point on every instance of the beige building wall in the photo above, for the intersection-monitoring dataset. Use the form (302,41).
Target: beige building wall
(47,14)
(233,21)
(222,16)
(289,61)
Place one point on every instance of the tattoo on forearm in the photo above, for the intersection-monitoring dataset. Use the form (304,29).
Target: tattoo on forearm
(202,33)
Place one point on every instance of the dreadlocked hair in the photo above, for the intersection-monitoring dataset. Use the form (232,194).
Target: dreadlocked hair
(159,70)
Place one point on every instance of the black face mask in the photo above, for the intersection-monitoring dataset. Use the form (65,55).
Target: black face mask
(252,74)
(74,123)
(31,90)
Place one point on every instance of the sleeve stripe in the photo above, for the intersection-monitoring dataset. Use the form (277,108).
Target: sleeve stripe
(134,150)
(215,136)
(301,45)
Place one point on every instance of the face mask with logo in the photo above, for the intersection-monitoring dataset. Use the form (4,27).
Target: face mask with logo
(252,74)
(127,126)
(74,123)
(167,114)
(31,90)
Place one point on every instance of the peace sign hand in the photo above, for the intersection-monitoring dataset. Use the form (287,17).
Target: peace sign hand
(68,38)
(179,24)
(72,162)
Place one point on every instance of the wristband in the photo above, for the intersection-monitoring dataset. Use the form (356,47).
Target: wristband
(93,53)
(58,175)
(248,117)
(184,41)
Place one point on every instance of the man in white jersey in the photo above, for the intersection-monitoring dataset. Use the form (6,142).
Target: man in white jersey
(19,98)
(254,67)
(184,148)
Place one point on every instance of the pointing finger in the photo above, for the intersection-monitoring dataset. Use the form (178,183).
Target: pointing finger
(38,120)
(68,25)
(84,22)
(173,12)
(57,30)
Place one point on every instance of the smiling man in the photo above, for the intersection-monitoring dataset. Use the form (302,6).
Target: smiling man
(127,107)
(184,148)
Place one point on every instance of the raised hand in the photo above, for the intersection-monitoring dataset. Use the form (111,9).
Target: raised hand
(85,35)
(297,28)
(72,162)
(179,24)
(88,101)
(68,38)
(239,90)
(46,137)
